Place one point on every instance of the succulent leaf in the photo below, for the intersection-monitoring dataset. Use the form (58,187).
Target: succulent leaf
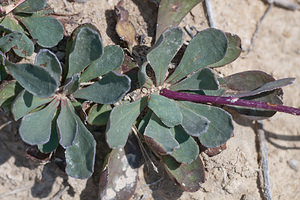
(10,40)
(25,47)
(99,114)
(47,59)
(166,109)
(120,122)
(8,92)
(164,51)
(34,79)
(111,59)
(207,47)
(110,89)
(67,124)
(26,102)
(36,127)
(72,85)
(205,79)
(80,157)
(30,6)
(159,137)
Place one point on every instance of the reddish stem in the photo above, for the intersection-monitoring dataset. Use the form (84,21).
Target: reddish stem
(228,101)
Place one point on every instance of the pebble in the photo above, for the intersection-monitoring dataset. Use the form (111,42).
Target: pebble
(294,164)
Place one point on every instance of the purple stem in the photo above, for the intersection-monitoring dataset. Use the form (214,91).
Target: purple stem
(228,101)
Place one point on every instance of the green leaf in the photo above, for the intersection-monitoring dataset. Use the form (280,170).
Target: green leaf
(37,80)
(8,92)
(26,102)
(193,123)
(220,127)
(52,144)
(47,59)
(25,47)
(118,180)
(159,137)
(166,109)
(188,150)
(144,121)
(110,89)
(99,114)
(207,47)
(39,28)
(72,85)
(111,59)
(233,52)
(8,41)
(188,176)
(67,124)
(35,127)
(84,48)
(164,51)
(30,6)
(171,12)
(10,24)
(205,79)
(3,73)
(120,122)
(80,157)
(143,78)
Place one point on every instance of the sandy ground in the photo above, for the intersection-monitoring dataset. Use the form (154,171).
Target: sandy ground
(233,174)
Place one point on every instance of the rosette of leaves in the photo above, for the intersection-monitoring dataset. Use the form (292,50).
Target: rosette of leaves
(26,23)
(51,99)
(172,128)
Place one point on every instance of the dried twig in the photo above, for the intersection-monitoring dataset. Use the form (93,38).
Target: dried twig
(284,4)
(263,160)
(5,124)
(60,193)
(5,194)
(210,14)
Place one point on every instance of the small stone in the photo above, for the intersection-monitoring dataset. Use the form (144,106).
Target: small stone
(294,164)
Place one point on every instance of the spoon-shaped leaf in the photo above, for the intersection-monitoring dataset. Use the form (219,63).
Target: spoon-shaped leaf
(72,85)
(26,102)
(99,114)
(30,6)
(120,122)
(204,79)
(166,109)
(110,89)
(111,59)
(159,137)
(164,51)
(80,157)
(35,127)
(193,123)
(8,92)
(10,24)
(84,47)
(67,124)
(35,79)
(207,47)
(39,28)
(188,176)
(8,41)
(47,59)
(188,150)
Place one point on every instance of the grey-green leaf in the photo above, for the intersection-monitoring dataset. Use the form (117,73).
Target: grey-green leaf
(166,109)
(188,176)
(110,89)
(25,47)
(120,122)
(67,124)
(193,123)
(72,84)
(10,24)
(48,31)
(205,79)
(99,114)
(8,92)
(8,41)
(188,150)
(47,59)
(80,157)
(233,52)
(164,51)
(220,127)
(26,102)
(52,144)
(34,79)
(207,47)
(159,137)
(84,48)
(35,127)
(143,78)
(31,6)
(111,59)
